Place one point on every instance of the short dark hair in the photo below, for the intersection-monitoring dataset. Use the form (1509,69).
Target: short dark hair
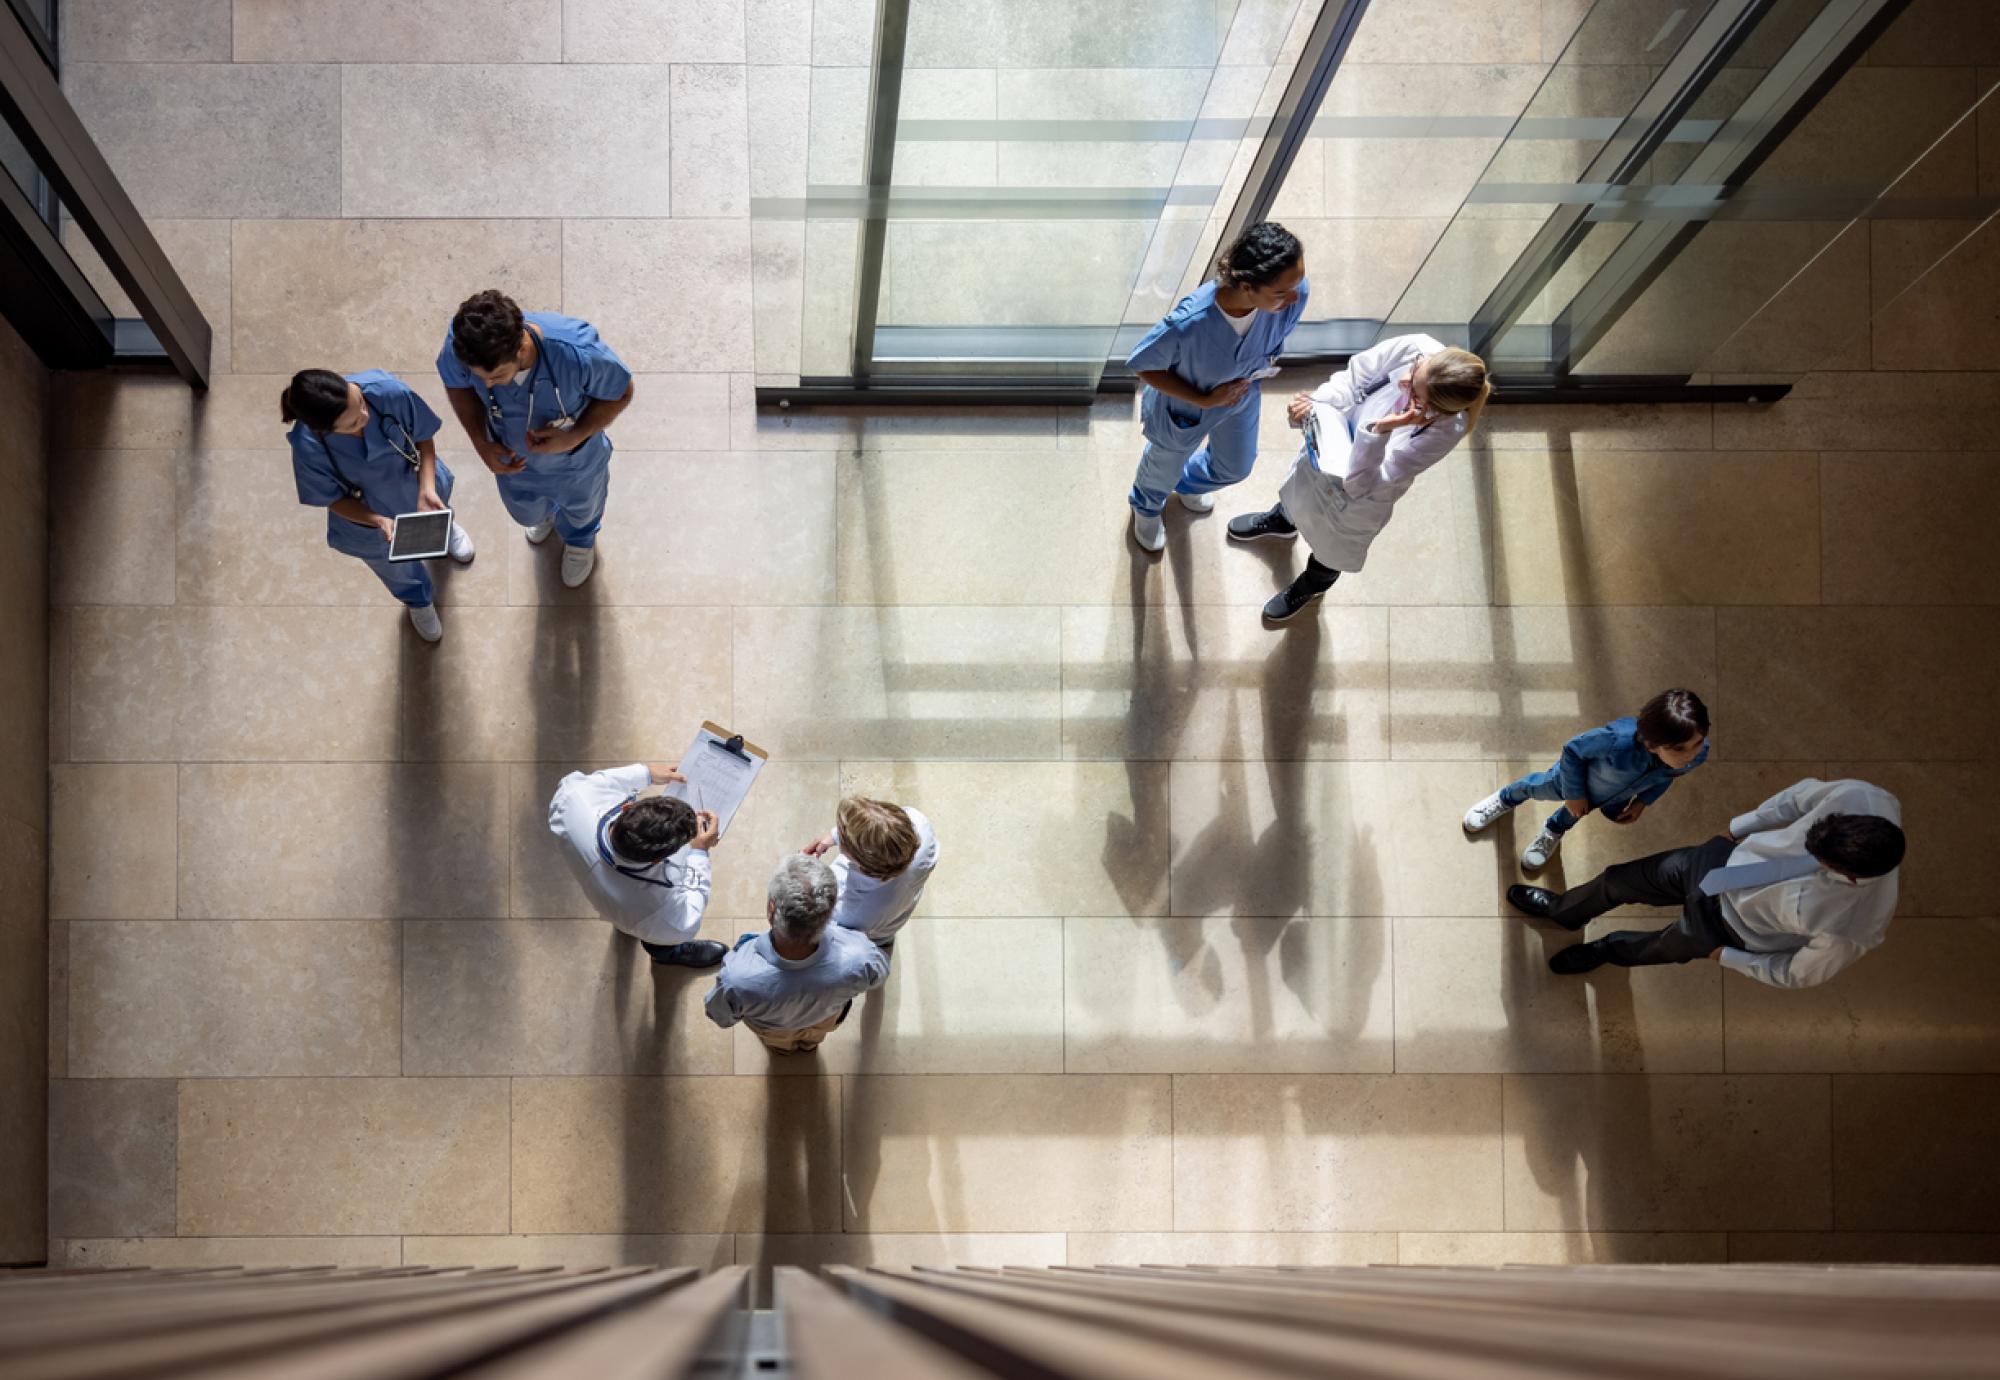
(654,828)
(1259,256)
(486,332)
(1671,718)
(1860,845)
(316,397)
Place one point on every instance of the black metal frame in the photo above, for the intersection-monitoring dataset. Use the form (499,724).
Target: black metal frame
(892,31)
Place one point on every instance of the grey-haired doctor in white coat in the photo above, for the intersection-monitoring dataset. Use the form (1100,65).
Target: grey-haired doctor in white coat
(1398,408)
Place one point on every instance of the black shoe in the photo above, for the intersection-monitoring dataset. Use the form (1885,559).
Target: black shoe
(1290,601)
(1533,900)
(1252,526)
(1577,958)
(695,953)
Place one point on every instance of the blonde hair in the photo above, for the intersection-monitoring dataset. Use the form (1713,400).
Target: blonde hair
(877,837)
(1457,382)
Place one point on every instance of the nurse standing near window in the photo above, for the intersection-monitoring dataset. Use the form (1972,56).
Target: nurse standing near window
(362,449)
(535,392)
(1201,365)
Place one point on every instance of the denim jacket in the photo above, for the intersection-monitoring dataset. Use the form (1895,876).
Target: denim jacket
(1607,765)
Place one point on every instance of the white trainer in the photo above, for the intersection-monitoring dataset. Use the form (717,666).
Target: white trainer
(1483,814)
(539,533)
(425,621)
(1541,850)
(1198,503)
(1148,531)
(578,562)
(461,544)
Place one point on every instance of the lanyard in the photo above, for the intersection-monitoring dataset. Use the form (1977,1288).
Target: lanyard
(637,874)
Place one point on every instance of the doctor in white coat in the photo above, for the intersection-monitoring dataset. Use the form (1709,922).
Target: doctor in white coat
(1396,409)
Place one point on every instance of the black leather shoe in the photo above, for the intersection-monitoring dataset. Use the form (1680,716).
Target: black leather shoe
(1577,958)
(1254,526)
(1289,602)
(1533,900)
(695,953)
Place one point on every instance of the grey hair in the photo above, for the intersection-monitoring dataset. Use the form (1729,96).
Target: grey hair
(802,895)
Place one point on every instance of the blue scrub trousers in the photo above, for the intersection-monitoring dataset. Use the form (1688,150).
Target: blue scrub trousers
(409,581)
(1547,785)
(570,488)
(1175,459)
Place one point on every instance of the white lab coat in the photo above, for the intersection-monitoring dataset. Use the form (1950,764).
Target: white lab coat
(1340,505)
(657,914)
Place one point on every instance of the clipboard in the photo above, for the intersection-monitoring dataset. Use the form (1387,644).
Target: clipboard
(720,769)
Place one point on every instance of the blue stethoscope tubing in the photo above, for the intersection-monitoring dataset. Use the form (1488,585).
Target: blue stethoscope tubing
(604,851)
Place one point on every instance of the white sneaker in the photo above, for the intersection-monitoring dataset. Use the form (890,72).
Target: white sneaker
(1485,812)
(1541,850)
(425,621)
(578,562)
(1198,503)
(1148,532)
(539,533)
(461,544)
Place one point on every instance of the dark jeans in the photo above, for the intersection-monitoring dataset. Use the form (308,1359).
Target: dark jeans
(1665,879)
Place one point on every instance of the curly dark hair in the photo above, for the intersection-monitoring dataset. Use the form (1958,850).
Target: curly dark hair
(1860,845)
(486,332)
(656,827)
(1259,256)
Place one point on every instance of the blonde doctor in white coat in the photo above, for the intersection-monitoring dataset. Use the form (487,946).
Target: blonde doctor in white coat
(1396,409)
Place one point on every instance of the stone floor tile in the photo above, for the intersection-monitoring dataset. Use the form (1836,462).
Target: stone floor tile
(1088,1249)
(637,31)
(1912,1153)
(1951,868)
(1846,411)
(937,1250)
(548,997)
(477,140)
(108,544)
(616,271)
(711,139)
(1143,682)
(964,996)
(111,1157)
(571,1252)
(954,1154)
(410,31)
(1248,995)
(1921,540)
(58,1021)
(161,31)
(236,684)
(1476,996)
(786,29)
(416,840)
(1483,1249)
(1667,1152)
(677,412)
(1087,838)
(676,1155)
(199,1252)
(115,411)
(927,429)
(264,133)
(1865,1247)
(60,636)
(198,250)
(234,998)
(1472,682)
(343,1156)
(354,294)
(1336,1152)
(111,836)
(901,682)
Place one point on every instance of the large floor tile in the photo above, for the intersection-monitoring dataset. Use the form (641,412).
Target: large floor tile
(111,1157)
(1841,410)
(676,1154)
(711,140)
(111,536)
(119,411)
(1249,995)
(1667,1152)
(1889,684)
(1915,1153)
(1476,996)
(698,530)
(887,682)
(1330,838)
(58,1010)
(1865,1247)
(1085,838)
(682,412)
(1231,1248)
(264,132)
(207,1252)
(956,1154)
(637,31)
(919,428)
(343,1156)
(163,31)
(1485,682)
(579,683)
(963,996)
(234,998)
(235,684)
(548,997)
(616,272)
(1161,682)
(349,295)
(936,1250)
(1951,867)
(111,839)
(411,31)
(570,1252)
(413,841)
(1336,1152)
(1919,540)
(1462,1249)
(481,140)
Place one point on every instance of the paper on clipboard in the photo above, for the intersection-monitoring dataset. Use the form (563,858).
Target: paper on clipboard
(719,777)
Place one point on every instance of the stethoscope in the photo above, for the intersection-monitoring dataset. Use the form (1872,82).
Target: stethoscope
(406,448)
(610,860)
(562,421)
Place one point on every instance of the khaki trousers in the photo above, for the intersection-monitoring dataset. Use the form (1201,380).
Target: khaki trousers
(803,1040)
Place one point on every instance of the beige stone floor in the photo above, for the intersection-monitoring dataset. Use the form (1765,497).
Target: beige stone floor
(1209,971)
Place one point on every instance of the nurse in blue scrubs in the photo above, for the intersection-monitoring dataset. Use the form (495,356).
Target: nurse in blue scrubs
(1200,406)
(362,449)
(535,392)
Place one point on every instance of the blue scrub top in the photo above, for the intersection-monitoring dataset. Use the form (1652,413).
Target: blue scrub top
(378,467)
(572,366)
(1196,342)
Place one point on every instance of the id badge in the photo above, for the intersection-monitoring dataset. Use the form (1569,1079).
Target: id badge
(1311,429)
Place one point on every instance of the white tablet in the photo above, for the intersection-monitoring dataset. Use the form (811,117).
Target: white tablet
(421,536)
